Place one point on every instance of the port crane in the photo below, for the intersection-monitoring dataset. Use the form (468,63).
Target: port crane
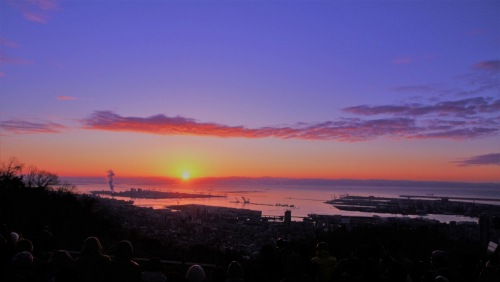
(245,201)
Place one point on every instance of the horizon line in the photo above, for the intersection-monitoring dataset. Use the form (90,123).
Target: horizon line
(191,179)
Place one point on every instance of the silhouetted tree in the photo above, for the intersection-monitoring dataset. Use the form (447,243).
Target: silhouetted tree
(11,167)
(34,199)
(10,173)
(35,178)
(66,187)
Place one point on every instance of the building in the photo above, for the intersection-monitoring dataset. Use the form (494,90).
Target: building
(288,218)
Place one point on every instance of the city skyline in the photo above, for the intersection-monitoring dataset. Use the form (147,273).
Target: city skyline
(382,90)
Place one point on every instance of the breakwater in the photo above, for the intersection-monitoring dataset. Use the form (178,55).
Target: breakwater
(151,194)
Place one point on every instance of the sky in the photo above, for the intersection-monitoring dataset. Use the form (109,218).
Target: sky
(299,89)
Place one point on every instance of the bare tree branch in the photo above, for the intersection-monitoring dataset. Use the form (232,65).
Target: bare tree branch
(40,178)
(11,168)
(66,187)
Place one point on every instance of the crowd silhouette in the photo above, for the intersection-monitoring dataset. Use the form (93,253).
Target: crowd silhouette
(375,253)
(20,262)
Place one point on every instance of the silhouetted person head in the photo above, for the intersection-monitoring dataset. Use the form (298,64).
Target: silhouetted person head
(154,265)
(21,260)
(235,270)
(322,246)
(90,264)
(124,251)
(24,245)
(14,236)
(92,246)
(195,274)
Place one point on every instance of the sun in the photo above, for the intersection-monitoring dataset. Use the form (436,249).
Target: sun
(185,175)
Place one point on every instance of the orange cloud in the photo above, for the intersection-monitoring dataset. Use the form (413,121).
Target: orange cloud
(349,130)
(342,129)
(66,98)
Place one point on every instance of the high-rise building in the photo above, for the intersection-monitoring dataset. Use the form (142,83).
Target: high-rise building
(288,218)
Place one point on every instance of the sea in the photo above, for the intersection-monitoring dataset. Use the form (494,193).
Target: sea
(302,200)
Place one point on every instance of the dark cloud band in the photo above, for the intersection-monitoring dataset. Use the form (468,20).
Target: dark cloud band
(18,126)
(488,159)
(461,108)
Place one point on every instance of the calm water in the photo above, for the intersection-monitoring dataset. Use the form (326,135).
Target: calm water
(306,199)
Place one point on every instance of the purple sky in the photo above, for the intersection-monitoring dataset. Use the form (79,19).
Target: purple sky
(283,85)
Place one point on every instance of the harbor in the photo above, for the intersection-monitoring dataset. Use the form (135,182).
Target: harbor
(412,205)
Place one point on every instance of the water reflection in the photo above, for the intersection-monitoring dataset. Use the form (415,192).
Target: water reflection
(275,200)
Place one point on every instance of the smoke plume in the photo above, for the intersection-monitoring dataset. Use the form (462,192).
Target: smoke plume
(110,180)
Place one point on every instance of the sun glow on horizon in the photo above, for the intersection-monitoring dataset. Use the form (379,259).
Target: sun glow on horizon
(185,175)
